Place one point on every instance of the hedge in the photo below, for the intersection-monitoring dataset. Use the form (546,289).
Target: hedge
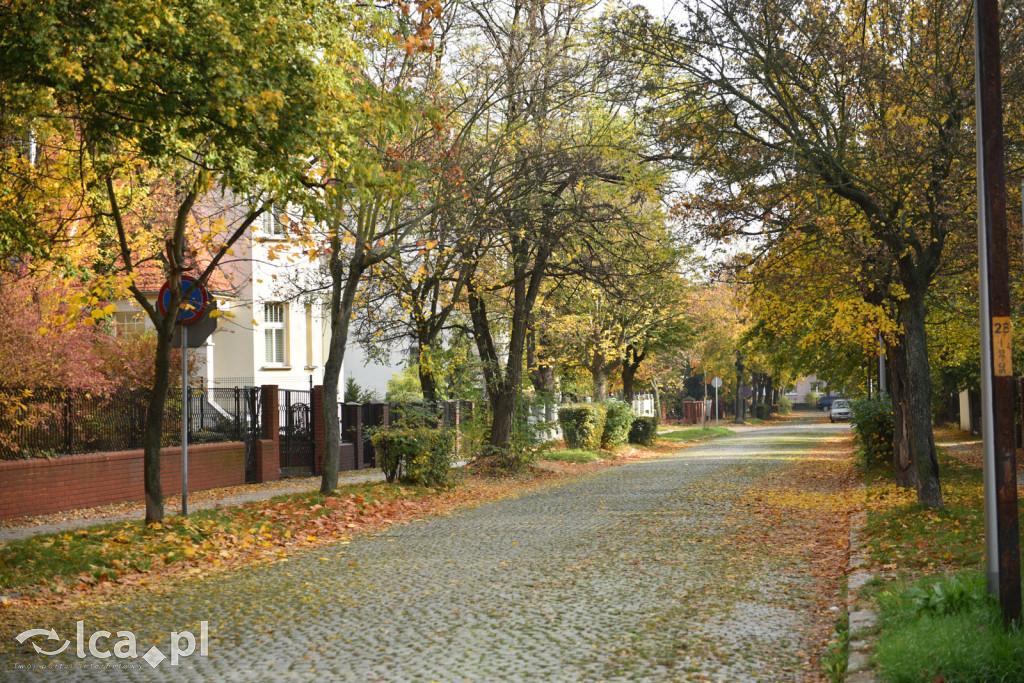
(873,429)
(582,425)
(643,431)
(617,423)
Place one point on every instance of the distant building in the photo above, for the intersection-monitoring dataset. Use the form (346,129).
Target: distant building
(806,385)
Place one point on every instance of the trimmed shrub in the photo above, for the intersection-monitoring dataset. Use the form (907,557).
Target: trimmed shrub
(785,405)
(582,425)
(872,422)
(643,431)
(761,411)
(414,455)
(617,422)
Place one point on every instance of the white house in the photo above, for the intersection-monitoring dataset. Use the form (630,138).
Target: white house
(269,331)
(273,333)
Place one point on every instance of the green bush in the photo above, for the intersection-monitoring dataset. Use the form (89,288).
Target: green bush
(582,425)
(761,411)
(872,422)
(947,629)
(617,422)
(643,431)
(414,455)
(811,398)
(785,406)
(953,595)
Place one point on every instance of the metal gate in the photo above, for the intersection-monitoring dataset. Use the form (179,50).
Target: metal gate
(296,431)
(248,410)
(373,416)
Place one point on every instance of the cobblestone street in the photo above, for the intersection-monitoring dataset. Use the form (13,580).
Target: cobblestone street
(616,576)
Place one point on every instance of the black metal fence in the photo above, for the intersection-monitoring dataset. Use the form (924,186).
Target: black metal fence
(48,422)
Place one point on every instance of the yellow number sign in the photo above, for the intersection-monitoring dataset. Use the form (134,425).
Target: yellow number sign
(1002,346)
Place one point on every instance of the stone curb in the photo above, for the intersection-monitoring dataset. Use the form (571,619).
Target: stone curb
(863,621)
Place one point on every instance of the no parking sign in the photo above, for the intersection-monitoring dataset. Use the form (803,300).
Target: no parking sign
(194,295)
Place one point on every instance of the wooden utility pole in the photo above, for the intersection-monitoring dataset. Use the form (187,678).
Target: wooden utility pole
(1001,527)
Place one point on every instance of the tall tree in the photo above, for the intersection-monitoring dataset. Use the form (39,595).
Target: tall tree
(868,103)
(171,101)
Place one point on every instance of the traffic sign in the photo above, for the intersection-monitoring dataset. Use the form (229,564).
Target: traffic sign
(193,294)
(745,392)
(716,382)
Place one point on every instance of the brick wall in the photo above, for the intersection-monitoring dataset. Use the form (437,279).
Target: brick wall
(34,487)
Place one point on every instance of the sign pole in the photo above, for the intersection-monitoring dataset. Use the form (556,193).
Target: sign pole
(184,420)
(1002,535)
(716,406)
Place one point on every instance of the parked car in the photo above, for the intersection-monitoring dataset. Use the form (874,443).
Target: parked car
(825,402)
(841,410)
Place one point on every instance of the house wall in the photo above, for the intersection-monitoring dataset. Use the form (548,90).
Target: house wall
(273,271)
(40,486)
(233,342)
(806,384)
(369,374)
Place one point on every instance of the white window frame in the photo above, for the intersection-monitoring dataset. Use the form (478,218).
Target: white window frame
(271,224)
(275,333)
(127,323)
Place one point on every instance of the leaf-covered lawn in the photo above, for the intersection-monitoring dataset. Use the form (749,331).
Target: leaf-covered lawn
(129,552)
(912,541)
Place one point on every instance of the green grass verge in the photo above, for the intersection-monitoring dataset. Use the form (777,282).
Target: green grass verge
(105,551)
(575,455)
(837,653)
(953,633)
(695,433)
(956,630)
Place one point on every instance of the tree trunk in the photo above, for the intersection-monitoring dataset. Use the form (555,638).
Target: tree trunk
(427,385)
(630,366)
(155,424)
(657,399)
(628,376)
(343,293)
(740,404)
(919,393)
(599,376)
(904,469)
(541,371)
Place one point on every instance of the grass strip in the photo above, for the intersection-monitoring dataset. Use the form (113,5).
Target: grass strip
(574,455)
(936,620)
(695,434)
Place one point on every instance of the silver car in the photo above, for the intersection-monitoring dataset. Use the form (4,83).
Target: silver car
(840,410)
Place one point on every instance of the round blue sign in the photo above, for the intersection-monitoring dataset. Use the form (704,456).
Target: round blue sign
(195,300)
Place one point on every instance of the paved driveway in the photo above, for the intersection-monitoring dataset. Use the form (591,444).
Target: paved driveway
(617,576)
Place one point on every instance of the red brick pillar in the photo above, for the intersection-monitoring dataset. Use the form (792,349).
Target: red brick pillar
(268,463)
(317,409)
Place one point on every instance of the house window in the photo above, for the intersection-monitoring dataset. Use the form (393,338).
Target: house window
(275,221)
(273,318)
(128,323)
